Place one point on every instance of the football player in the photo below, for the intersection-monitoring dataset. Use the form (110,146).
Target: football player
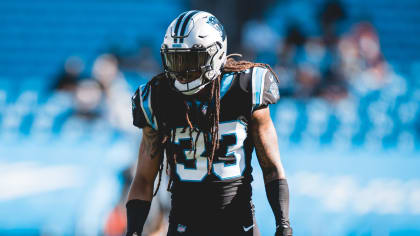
(206,113)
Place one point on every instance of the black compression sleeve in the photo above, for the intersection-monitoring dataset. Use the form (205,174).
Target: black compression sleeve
(278,196)
(137,211)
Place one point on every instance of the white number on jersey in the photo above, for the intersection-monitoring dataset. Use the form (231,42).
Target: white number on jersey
(232,135)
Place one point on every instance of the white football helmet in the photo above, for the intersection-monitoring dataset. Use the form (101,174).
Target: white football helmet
(193,51)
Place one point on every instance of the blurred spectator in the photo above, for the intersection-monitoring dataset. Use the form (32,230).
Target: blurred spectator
(143,61)
(298,64)
(290,53)
(333,88)
(307,81)
(362,62)
(157,220)
(67,80)
(316,53)
(116,90)
(100,103)
(116,222)
(88,96)
(86,119)
(308,67)
(331,14)
(286,59)
(257,38)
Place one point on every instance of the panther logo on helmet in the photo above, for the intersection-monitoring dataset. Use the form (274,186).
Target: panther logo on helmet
(216,24)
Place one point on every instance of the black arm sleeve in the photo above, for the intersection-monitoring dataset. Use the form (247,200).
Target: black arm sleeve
(137,211)
(278,196)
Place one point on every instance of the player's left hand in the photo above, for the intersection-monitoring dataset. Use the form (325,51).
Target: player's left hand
(284,230)
(131,234)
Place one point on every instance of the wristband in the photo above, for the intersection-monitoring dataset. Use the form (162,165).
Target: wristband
(137,211)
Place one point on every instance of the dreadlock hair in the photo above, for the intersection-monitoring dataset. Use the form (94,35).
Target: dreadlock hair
(209,126)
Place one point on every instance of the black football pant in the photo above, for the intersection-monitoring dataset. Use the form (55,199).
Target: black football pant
(233,221)
(213,230)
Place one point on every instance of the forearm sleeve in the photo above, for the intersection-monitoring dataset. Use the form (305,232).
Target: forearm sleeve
(278,196)
(137,211)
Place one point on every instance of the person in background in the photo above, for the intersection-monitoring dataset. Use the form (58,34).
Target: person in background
(67,80)
(106,72)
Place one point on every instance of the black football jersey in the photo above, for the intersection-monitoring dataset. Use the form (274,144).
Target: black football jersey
(241,93)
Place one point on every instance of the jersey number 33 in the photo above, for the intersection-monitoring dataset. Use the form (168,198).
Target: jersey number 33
(230,161)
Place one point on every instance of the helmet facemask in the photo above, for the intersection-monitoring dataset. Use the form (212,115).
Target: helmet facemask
(190,69)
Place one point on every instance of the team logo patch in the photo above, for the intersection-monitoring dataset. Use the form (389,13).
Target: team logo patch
(274,90)
(213,21)
(204,109)
(181,228)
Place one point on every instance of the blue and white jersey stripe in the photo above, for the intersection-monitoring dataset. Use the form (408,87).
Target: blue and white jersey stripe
(146,105)
(258,77)
(226,82)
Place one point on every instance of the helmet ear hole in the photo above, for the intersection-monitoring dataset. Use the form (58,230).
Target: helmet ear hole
(221,55)
(209,74)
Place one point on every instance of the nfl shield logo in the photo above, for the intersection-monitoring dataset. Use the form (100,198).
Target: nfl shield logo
(181,228)
(204,109)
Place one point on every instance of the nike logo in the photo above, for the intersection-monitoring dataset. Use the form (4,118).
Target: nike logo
(246,229)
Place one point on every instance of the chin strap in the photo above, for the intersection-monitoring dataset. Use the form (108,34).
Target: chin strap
(194,86)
